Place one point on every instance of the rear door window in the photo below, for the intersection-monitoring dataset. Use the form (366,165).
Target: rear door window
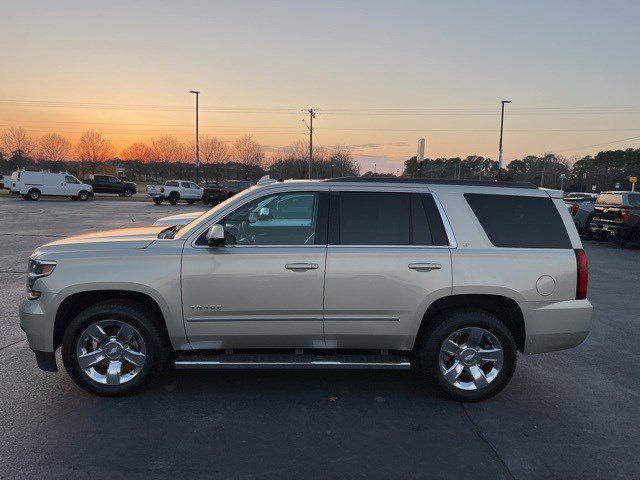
(610,198)
(518,221)
(372,218)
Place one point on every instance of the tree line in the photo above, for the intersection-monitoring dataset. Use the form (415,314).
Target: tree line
(607,170)
(166,157)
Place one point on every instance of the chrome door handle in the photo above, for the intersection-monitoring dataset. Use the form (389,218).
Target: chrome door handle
(425,267)
(301,266)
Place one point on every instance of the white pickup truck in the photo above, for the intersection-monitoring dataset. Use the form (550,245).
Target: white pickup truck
(174,191)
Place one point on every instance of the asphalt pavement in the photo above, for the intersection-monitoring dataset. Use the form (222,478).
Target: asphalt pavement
(565,415)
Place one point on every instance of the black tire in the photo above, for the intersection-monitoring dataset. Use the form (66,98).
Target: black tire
(34,194)
(158,350)
(205,200)
(157,200)
(83,195)
(191,202)
(127,192)
(427,356)
(174,198)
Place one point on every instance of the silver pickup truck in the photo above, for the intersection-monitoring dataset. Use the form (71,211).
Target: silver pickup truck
(175,190)
(452,279)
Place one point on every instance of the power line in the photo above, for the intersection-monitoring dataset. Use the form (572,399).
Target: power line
(599,144)
(369,111)
(266,129)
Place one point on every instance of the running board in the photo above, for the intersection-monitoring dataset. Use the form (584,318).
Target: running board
(288,362)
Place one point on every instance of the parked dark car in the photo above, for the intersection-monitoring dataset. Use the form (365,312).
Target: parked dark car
(617,217)
(236,186)
(581,207)
(111,184)
(214,193)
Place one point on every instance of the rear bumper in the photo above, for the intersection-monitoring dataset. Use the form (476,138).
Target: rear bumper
(557,325)
(614,230)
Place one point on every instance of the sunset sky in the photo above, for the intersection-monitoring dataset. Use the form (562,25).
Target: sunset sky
(381,74)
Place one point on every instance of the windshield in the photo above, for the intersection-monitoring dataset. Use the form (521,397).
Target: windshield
(186,229)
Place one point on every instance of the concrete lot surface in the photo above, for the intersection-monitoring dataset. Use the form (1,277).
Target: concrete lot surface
(566,415)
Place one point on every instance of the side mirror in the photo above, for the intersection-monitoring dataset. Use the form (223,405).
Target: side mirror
(215,236)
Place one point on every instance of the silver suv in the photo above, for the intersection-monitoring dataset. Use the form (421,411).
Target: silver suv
(451,279)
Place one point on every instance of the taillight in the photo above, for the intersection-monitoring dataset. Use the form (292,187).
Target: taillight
(582,281)
(161,189)
(574,209)
(624,215)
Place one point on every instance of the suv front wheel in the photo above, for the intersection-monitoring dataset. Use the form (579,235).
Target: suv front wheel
(113,348)
(470,356)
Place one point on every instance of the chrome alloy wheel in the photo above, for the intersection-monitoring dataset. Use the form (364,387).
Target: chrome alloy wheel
(470,358)
(111,352)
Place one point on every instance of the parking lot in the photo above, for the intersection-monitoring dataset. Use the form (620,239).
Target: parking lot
(571,414)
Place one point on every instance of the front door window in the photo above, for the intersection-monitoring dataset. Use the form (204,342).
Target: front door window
(279,219)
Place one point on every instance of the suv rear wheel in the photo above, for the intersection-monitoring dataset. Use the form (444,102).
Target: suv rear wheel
(113,348)
(470,356)
(174,198)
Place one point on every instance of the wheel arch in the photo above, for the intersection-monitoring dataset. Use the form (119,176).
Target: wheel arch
(73,304)
(504,308)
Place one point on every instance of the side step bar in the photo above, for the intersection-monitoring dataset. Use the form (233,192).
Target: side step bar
(286,362)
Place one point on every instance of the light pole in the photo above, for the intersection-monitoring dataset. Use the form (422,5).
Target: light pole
(501,128)
(197,137)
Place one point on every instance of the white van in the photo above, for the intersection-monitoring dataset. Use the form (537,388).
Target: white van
(32,185)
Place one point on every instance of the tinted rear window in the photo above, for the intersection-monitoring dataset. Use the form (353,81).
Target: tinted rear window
(519,222)
(610,198)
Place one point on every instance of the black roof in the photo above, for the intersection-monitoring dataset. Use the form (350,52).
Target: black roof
(432,181)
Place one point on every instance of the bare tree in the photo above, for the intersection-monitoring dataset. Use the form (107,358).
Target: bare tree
(92,148)
(293,162)
(214,150)
(54,147)
(248,152)
(137,151)
(168,149)
(17,138)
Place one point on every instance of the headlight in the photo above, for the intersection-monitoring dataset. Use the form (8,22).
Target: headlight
(38,269)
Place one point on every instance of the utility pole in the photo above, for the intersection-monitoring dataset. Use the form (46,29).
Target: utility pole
(312,115)
(197,137)
(501,127)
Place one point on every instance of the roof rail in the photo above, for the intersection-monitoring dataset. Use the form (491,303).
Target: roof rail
(433,181)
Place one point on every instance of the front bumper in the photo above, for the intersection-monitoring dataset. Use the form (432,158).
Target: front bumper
(556,325)
(37,320)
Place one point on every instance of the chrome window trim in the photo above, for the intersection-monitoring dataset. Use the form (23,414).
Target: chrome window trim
(428,247)
(314,188)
